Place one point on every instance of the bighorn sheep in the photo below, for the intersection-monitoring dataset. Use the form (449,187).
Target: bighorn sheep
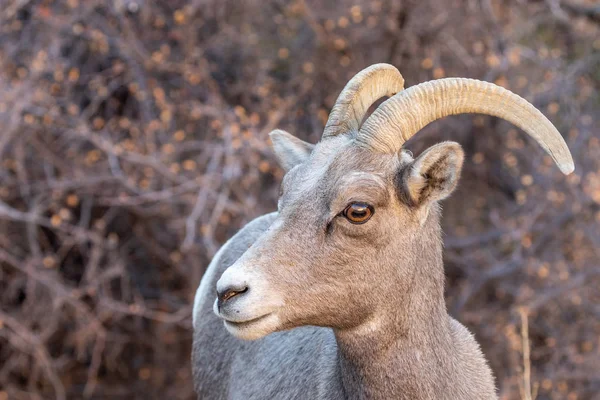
(352,259)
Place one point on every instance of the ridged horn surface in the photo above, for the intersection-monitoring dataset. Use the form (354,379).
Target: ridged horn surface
(366,87)
(403,115)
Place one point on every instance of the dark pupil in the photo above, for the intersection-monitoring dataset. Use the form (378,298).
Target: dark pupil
(359,212)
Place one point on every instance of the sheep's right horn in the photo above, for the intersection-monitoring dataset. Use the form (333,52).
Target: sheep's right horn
(401,116)
(368,86)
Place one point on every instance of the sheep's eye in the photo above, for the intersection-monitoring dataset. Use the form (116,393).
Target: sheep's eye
(358,213)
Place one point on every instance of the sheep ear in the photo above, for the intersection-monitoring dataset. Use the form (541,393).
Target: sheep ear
(432,176)
(289,150)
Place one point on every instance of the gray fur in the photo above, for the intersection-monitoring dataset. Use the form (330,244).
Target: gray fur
(352,311)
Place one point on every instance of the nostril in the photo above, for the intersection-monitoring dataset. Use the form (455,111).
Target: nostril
(231,292)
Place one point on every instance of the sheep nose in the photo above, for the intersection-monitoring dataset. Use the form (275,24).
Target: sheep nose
(230,292)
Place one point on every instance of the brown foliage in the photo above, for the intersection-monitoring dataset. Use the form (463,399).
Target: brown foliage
(134,143)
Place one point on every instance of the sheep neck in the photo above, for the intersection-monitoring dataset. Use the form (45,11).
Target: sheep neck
(406,341)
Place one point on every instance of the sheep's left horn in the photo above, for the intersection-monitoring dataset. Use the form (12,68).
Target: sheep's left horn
(400,117)
(366,87)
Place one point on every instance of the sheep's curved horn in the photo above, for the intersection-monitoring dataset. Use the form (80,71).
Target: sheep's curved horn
(401,116)
(366,87)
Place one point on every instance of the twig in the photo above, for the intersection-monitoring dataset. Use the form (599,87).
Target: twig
(525,386)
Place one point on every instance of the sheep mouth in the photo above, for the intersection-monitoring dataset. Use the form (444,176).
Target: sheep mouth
(247,323)
(255,328)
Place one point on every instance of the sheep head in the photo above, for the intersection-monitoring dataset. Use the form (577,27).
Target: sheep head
(357,218)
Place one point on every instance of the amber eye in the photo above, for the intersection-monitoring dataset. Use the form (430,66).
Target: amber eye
(358,213)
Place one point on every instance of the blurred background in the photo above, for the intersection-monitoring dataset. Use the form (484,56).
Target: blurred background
(134,142)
